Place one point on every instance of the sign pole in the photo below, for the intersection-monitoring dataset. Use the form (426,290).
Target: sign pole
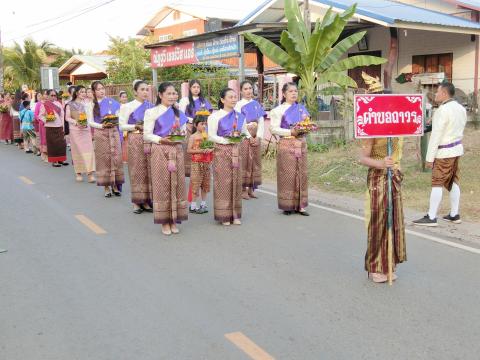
(390,216)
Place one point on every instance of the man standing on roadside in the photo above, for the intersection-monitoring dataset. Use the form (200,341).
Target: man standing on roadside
(443,155)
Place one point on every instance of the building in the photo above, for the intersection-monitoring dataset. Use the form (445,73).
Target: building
(427,37)
(175,22)
(84,67)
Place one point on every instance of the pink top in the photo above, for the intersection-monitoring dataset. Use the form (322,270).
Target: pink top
(58,117)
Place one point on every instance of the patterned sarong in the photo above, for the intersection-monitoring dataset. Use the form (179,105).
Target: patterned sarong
(446,172)
(251,163)
(292,175)
(188,157)
(139,169)
(56,144)
(227,188)
(200,177)
(108,157)
(376,258)
(6,126)
(168,184)
(17,132)
(81,145)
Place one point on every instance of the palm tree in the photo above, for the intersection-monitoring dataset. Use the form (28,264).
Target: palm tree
(317,56)
(24,62)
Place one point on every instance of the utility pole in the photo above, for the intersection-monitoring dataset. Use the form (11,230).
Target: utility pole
(306,14)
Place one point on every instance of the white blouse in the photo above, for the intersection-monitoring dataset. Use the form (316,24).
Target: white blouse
(90,117)
(151,116)
(183,104)
(260,120)
(213,127)
(124,114)
(276,119)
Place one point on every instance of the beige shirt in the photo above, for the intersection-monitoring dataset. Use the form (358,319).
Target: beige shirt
(276,119)
(124,114)
(213,127)
(151,116)
(448,123)
(260,120)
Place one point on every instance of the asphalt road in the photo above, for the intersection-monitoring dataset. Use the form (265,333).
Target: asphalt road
(275,287)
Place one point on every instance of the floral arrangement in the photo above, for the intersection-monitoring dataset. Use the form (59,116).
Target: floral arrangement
(305,127)
(110,119)
(177,134)
(50,117)
(235,136)
(206,144)
(82,119)
(202,112)
(3,109)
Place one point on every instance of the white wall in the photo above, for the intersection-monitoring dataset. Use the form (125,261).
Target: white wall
(419,42)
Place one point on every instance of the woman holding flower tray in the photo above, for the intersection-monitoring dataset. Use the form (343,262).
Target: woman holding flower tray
(165,129)
(291,122)
(251,147)
(51,114)
(103,117)
(227,128)
(131,120)
(81,143)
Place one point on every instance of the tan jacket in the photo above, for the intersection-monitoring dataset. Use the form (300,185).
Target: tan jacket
(447,127)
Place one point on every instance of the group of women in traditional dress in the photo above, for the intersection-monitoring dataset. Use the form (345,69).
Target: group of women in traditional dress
(158,163)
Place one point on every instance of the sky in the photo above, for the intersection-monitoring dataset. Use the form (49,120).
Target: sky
(87,24)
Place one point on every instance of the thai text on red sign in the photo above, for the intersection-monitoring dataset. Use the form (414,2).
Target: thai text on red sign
(173,55)
(388,115)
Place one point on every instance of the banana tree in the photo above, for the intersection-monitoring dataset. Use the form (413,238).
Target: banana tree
(316,56)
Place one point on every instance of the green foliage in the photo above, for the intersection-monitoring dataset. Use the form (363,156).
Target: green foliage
(315,55)
(320,148)
(22,63)
(130,61)
(64,54)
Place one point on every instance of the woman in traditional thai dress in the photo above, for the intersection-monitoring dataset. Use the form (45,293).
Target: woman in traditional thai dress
(15,113)
(122,97)
(292,173)
(6,121)
(51,114)
(225,128)
(36,121)
(131,121)
(81,143)
(103,117)
(164,126)
(251,147)
(374,155)
(190,104)
(41,126)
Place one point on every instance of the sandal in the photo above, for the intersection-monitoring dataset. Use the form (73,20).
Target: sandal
(117,193)
(108,194)
(149,209)
(56,165)
(138,211)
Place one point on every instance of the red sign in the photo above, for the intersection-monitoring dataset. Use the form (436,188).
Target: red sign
(173,55)
(387,115)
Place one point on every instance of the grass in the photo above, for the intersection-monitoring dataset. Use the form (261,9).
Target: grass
(337,170)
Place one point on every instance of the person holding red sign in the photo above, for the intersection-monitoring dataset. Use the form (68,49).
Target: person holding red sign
(443,154)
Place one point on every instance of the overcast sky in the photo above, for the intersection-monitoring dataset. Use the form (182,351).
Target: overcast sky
(88,31)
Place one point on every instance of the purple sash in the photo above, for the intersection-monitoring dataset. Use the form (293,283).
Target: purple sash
(164,123)
(294,114)
(197,105)
(225,124)
(137,115)
(253,111)
(107,106)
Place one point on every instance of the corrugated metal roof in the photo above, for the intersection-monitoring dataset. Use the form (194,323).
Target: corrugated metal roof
(469,4)
(389,12)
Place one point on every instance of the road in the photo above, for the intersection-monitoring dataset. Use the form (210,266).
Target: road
(274,288)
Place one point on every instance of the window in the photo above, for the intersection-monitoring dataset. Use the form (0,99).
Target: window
(433,64)
(165,37)
(190,32)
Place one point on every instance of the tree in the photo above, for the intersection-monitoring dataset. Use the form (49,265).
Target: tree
(130,61)
(22,64)
(316,56)
(62,55)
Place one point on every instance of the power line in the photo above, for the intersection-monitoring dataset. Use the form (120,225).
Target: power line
(63,21)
